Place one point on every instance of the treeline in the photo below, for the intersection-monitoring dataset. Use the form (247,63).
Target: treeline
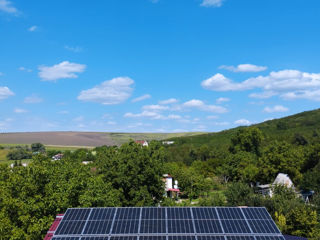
(131,175)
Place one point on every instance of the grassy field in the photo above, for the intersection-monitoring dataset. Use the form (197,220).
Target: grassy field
(76,140)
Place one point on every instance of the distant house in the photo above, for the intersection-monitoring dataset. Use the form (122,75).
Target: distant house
(58,156)
(12,165)
(281,179)
(172,190)
(168,142)
(142,142)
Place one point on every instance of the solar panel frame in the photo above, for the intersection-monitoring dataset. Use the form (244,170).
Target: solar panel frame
(168,223)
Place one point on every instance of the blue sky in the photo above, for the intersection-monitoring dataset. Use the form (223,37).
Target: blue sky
(156,65)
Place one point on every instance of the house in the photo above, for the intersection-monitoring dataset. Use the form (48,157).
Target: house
(168,142)
(142,142)
(58,156)
(281,179)
(172,190)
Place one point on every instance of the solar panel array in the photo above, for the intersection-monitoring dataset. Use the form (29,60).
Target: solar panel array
(150,223)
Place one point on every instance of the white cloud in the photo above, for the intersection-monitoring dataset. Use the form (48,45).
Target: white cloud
(242,122)
(33,28)
(168,101)
(200,105)
(155,107)
(289,84)
(6,6)
(33,99)
(20,110)
(146,114)
(174,116)
(244,68)
(110,92)
(23,69)
(76,49)
(141,98)
(5,92)
(78,119)
(212,3)
(263,95)
(222,100)
(111,123)
(62,70)
(277,108)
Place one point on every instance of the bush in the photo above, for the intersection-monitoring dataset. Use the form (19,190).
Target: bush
(19,154)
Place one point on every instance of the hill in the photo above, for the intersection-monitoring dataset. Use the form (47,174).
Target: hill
(305,125)
(83,139)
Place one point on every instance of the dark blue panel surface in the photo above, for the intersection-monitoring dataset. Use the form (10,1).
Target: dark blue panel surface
(263,226)
(152,238)
(77,214)
(270,238)
(179,213)
(102,214)
(256,213)
(235,226)
(208,226)
(240,238)
(180,226)
(65,238)
(128,213)
(153,226)
(70,227)
(211,238)
(94,238)
(153,213)
(181,238)
(125,226)
(123,238)
(230,213)
(98,227)
(204,213)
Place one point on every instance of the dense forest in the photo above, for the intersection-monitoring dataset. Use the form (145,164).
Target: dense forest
(209,174)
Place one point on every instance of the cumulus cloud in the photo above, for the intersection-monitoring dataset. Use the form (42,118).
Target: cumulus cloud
(211,3)
(222,100)
(277,108)
(288,84)
(141,98)
(168,101)
(5,92)
(33,28)
(114,91)
(244,68)
(20,110)
(212,117)
(200,105)
(155,107)
(152,115)
(6,6)
(33,99)
(62,70)
(242,122)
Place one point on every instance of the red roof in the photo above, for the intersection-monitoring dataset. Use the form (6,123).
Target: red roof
(173,190)
(53,227)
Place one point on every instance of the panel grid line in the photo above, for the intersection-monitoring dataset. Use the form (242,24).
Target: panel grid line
(246,220)
(219,220)
(84,227)
(194,225)
(113,220)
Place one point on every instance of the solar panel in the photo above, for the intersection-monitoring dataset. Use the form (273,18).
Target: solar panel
(263,226)
(102,214)
(125,226)
(235,226)
(153,213)
(204,213)
(77,214)
(152,223)
(65,238)
(240,238)
(208,226)
(180,226)
(256,213)
(211,238)
(97,227)
(230,213)
(70,227)
(153,226)
(179,213)
(270,238)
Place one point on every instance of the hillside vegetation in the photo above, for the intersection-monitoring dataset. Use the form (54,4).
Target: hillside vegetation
(306,124)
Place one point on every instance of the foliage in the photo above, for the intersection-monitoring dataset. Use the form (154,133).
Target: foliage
(38,147)
(19,154)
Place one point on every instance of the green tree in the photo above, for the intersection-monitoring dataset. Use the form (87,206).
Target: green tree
(38,147)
